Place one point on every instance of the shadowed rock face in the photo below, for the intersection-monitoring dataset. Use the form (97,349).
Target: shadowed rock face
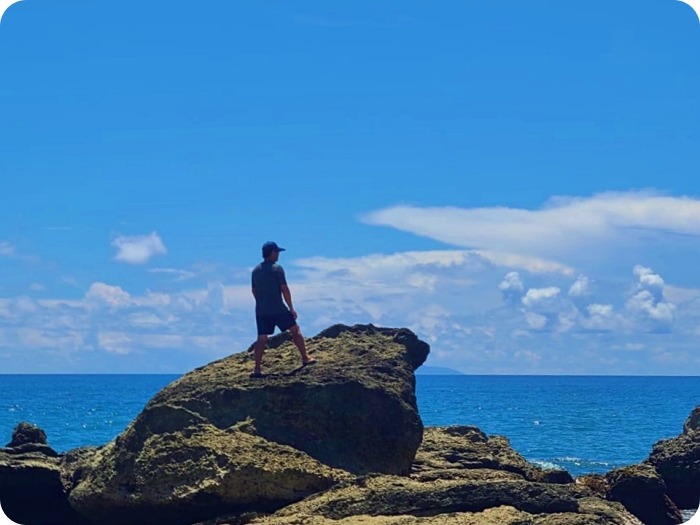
(31,491)
(642,491)
(217,441)
(677,461)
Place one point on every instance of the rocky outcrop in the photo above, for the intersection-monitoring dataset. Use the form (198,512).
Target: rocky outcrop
(338,442)
(677,461)
(397,500)
(449,452)
(26,433)
(642,491)
(693,422)
(217,441)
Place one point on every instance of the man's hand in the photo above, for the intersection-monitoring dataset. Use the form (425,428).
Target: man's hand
(294,313)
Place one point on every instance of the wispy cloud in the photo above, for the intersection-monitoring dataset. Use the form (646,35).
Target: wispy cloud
(182,275)
(562,226)
(138,249)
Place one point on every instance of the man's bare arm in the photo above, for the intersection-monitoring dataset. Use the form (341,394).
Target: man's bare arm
(287,296)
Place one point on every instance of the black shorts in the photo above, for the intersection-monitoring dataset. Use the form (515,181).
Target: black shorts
(267,323)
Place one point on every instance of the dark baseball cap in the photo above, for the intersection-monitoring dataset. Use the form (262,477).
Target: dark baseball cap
(270,247)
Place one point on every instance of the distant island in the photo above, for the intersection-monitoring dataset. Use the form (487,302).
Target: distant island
(437,371)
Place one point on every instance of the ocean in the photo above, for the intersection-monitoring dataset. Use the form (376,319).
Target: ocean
(584,424)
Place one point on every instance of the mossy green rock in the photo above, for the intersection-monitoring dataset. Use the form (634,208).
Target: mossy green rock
(355,409)
(195,473)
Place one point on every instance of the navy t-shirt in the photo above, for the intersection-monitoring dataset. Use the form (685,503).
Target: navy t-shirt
(266,279)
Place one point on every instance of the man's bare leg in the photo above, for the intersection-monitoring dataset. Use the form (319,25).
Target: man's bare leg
(260,345)
(301,345)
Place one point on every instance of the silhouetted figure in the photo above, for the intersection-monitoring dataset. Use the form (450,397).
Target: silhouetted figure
(269,287)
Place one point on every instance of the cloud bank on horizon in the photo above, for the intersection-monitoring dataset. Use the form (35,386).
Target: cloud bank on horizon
(508,297)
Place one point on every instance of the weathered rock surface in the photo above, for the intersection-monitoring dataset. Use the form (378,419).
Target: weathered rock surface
(194,473)
(217,441)
(397,500)
(355,409)
(677,461)
(450,452)
(642,491)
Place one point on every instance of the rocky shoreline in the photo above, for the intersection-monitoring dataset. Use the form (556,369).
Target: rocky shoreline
(340,442)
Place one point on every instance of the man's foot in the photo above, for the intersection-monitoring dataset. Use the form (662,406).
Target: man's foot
(309,361)
(256,374)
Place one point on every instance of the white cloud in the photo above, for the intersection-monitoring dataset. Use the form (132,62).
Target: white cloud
(644,301)
(537,296)
(647,300)
(647,277)
(104,294)
(37,287)
(530,264)
(511,281)
(535,320)
(138,249)
(115,342)
(581,287)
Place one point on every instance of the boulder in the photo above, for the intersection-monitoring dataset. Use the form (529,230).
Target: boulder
(642,491)
(217,441)
(25,433)
(354,410)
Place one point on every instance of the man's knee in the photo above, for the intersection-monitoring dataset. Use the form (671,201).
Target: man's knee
(295,330)
(262,339)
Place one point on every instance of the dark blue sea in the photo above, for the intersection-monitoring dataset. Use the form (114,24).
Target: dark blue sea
(585,424)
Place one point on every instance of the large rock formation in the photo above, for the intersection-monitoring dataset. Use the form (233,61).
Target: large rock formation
(335,443)
(216,440)
(677,461)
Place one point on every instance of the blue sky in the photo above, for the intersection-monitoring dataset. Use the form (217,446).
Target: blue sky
(517,182)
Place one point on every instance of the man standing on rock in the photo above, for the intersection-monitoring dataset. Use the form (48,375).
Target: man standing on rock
(269,286)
